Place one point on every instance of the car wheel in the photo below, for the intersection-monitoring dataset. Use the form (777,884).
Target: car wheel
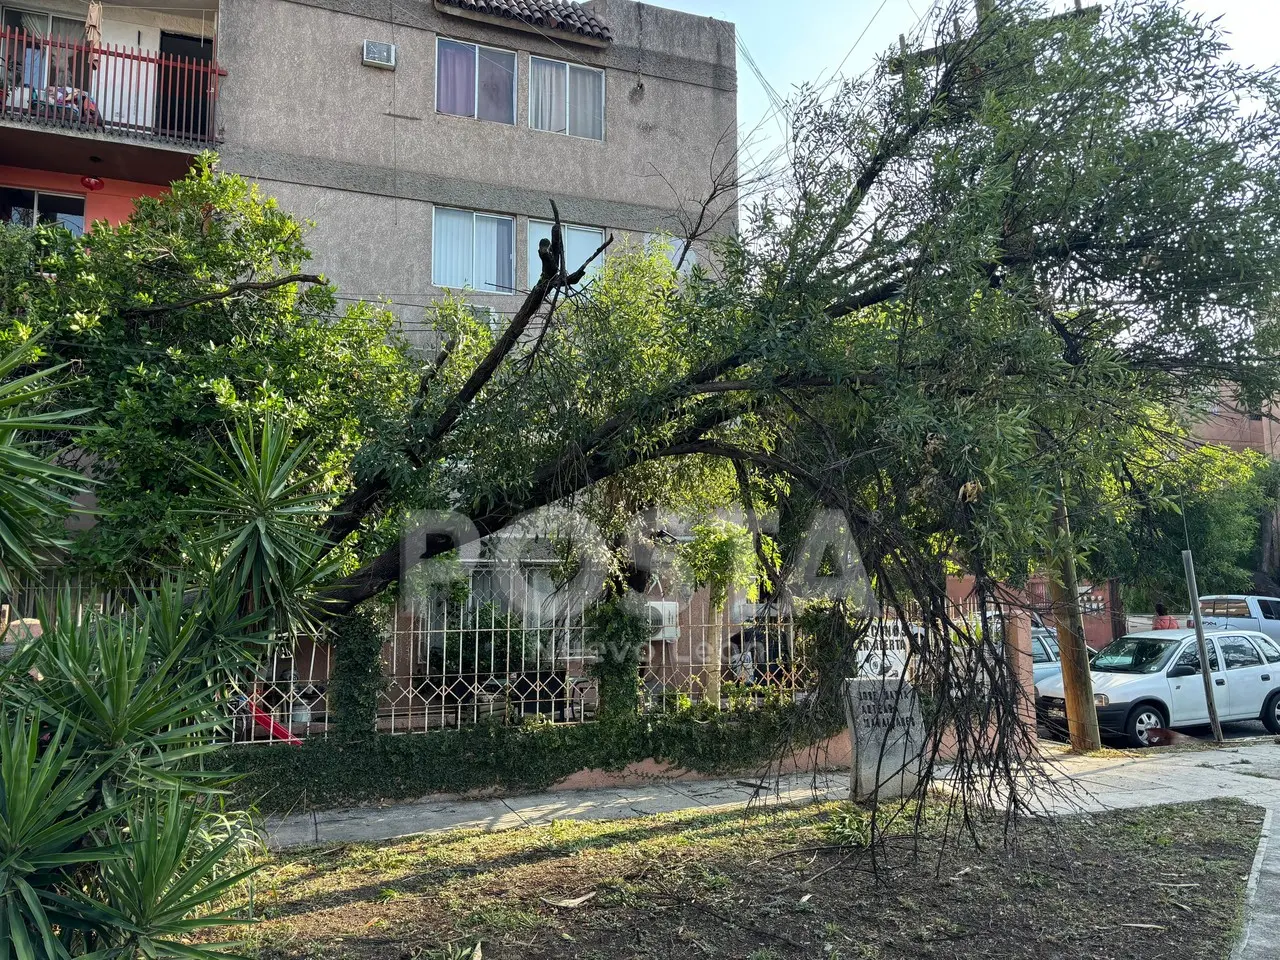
(1271,713)
(1143,718)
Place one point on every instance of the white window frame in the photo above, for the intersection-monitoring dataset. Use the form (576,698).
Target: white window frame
(604,89)
(475,93)
(570,267)
(474,213)
(37,194)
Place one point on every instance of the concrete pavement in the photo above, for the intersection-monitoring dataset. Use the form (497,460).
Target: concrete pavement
(1249,771)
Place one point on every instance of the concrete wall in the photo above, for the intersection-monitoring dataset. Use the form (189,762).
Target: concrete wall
(1232,427)
(364,154)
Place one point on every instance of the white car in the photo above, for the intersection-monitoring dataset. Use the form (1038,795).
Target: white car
(1152,679)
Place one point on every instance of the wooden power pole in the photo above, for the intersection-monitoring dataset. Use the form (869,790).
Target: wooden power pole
(1077,682)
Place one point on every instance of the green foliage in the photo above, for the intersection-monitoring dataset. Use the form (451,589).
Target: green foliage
(262,515)
(35,492)
(172,362)
(357,677)
(529,756)
(1209,499)
(616,635)
(109,828)
(721,556)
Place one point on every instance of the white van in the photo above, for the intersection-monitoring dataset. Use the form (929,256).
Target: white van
(1152,679)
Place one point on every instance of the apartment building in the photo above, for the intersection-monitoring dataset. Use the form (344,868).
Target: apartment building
(424,138)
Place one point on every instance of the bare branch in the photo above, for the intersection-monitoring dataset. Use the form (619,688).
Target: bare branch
(231,291)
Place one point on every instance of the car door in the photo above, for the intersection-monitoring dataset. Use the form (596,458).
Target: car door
(1187,705)
(1245,668)
(1044,663)
(1269,622)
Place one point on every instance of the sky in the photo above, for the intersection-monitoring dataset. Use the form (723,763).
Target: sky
(798,41)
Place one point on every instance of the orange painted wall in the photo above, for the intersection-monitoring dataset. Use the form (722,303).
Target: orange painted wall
(112,203)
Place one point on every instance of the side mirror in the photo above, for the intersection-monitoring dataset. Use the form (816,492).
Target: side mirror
(1183,670)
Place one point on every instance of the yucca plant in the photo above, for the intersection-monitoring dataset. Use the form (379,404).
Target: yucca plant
(101,675)
(35,492)
(168,885)
(111,840)
(48,830)
(263,516)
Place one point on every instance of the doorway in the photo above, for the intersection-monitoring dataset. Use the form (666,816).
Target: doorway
(184,108)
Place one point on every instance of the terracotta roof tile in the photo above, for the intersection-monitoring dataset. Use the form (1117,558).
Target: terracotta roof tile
(563,15)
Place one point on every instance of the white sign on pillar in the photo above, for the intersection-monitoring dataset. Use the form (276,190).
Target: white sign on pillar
(887,731)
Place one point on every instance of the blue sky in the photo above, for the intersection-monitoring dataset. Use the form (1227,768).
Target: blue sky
(794,41)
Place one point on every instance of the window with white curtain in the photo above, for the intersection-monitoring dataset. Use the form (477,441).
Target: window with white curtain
(475,250)
(566,98)
(475,81)
(579,243)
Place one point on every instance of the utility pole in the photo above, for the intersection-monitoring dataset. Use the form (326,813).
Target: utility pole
(1202,645)
(1077,682)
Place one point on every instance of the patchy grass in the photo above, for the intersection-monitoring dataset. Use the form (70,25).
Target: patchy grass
(1164,881)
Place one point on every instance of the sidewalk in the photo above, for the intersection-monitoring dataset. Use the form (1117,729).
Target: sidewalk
(1249,771)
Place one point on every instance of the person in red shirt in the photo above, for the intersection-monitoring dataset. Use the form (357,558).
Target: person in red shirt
(1162,620)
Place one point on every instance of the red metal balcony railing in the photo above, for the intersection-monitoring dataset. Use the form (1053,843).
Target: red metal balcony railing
(109,89)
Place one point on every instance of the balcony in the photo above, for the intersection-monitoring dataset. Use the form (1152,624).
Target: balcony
(107,91)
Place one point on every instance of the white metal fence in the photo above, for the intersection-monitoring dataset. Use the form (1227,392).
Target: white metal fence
(499,643)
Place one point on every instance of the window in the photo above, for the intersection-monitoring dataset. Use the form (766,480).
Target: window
(26,208)
(566,98)
(1270,608)
(1238,653)
(673,248)
(1039,654)
(579,243)
(1191,658)
(1270,649)
(1225,607)
(475,81)
(40,65)
(473,250)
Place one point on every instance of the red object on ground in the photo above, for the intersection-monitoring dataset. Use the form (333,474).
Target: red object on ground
(263,719)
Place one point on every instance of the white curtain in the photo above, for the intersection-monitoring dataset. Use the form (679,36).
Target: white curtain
(547,95)
(456,78)
(451,248)
(493,250)
(586,103)
(579,243)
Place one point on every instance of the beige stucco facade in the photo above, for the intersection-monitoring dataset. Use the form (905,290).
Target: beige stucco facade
(364,153)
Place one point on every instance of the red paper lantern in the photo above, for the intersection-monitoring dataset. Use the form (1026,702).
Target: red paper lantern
(92,183)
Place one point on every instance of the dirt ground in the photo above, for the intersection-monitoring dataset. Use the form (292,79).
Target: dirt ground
(1144,884)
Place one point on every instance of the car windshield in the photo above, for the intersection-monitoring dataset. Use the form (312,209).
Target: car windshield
(1134,655)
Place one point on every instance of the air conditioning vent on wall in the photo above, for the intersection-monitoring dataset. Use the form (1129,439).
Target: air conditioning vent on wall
(379,54)
(664,620)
